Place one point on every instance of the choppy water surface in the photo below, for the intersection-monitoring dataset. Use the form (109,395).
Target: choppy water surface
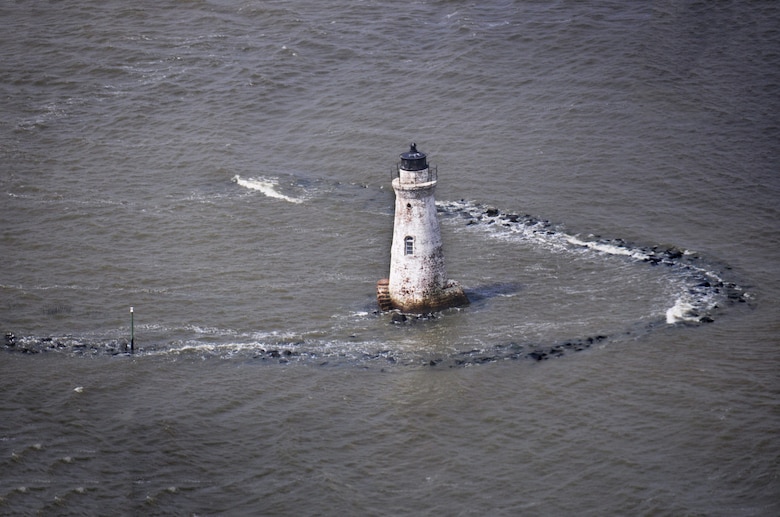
(608,194)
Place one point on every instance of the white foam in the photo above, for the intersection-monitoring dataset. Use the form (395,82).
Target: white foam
(267,186)
(681,311)
(609,249)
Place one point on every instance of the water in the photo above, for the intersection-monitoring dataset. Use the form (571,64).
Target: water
(225,169)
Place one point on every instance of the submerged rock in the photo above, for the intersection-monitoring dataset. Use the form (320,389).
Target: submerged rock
(398,317)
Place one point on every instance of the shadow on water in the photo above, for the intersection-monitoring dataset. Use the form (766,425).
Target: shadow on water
(494,290)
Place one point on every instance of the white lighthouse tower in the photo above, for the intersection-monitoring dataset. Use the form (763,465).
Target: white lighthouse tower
(418,281)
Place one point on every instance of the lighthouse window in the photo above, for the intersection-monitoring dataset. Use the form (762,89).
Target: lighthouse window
(409,246)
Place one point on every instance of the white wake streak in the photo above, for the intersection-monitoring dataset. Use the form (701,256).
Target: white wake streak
(265,185)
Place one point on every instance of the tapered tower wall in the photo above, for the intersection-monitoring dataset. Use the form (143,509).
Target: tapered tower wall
(416,256)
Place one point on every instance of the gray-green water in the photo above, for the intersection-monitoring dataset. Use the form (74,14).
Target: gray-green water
(224,168)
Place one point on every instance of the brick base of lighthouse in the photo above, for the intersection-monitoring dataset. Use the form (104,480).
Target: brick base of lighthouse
(383,295)
(451,295)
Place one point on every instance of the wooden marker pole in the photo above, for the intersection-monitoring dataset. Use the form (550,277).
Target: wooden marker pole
(132,331)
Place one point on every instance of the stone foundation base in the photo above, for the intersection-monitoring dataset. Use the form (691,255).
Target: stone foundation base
(452,295)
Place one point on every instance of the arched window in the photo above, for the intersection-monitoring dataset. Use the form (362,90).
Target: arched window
(408,245)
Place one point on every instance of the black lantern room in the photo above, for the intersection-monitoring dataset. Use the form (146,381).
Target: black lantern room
(413,160)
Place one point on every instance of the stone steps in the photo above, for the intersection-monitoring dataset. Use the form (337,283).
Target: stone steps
(383,295)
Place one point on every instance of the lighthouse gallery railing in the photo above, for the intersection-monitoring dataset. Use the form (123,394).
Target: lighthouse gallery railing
(431,174)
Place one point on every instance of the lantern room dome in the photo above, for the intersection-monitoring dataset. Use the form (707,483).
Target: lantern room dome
(413,160)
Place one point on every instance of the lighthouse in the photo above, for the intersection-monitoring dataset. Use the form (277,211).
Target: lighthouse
(418,281)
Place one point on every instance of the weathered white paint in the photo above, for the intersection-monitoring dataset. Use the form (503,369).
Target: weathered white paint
(418,281)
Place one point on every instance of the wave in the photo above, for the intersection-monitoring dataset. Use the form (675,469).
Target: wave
(701,288)
(268,186)
(308,351)
(698,291)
